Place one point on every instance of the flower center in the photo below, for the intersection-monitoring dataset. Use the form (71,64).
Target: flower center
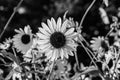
(104,45)
(25,38)
(57,39)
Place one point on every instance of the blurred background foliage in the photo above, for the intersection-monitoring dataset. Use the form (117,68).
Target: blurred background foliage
(32,12)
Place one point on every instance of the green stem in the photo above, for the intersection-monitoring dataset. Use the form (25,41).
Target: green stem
(15,10)
(81,22)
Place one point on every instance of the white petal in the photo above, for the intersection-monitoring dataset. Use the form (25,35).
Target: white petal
(42,36)
(74,35)
(59,21)
(49,54)
(44,46)
(46,27)
(92,41)
(43,41)
(18,31)
(66,54)
(70,31)
(43,31)
(64,25)
(26,29)
(62,53)
(54,23)
(54,55)
(21,30)
(58,53)
(46,49)
(69,52)
(70,47)
(50,26)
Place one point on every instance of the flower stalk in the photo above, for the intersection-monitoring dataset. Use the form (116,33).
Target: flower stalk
(81,22)
(9,20)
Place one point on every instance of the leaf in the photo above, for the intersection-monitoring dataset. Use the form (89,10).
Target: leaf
(92,70)
(1,59)
(9,75)
(1,54)
(10,56)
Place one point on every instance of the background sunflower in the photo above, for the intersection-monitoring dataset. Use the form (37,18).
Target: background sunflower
(23,40)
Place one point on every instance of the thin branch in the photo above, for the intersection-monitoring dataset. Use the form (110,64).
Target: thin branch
(86,12)
(117,59)
(92,54)
(85,41)
(109,32)
(92,59)
(15,55)
(76,58)
(88,53)
(15,10)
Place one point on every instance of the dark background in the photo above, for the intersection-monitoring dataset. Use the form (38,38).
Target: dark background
(36,11)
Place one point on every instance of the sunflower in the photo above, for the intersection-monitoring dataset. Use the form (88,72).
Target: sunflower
(56,40)
(99,44)
(23,40)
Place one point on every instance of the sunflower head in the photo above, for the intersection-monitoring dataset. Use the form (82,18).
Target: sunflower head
(23,39)
(99,43)
(56,40)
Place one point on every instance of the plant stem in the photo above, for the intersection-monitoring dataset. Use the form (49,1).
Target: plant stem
(76,58)
(92,53)
(81,22)
(51,70)
(109,32)
(92,59)
(15,10)
(88,53)
(15,56)
(117,59)
(85,40)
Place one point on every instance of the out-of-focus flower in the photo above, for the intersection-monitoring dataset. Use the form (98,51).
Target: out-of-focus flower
(106,2)
(22,10)
(56,40)
(23,40)
(104,16)
(118,14)
(99,44)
